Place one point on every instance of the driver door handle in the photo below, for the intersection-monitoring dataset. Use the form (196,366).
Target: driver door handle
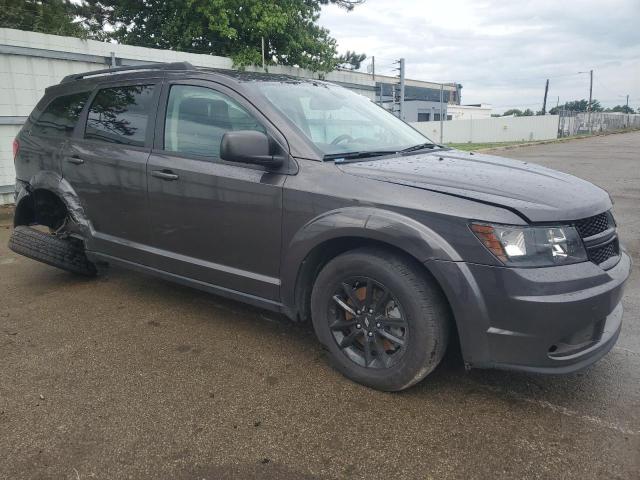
(164,174)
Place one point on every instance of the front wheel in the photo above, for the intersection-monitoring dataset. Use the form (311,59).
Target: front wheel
(383,320)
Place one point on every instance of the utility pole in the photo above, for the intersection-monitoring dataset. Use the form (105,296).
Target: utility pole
(441,110)
(401,62)
(544,102)
(590,89)
(373,78)
(626,111)
(394,98)
(590,98)
(590,72)
(262,53)
(373,69)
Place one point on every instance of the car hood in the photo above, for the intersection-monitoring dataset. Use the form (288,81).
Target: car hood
(539,194)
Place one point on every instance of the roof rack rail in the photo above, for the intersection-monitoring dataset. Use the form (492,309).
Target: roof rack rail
(153,66)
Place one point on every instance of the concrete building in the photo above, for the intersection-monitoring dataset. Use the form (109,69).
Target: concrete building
(422,99)
(469,112)
(30,62)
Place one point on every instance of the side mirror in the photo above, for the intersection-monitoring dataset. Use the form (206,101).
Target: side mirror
(249,146)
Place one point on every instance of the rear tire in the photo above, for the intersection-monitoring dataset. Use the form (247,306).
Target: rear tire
(65,253)
(383,319)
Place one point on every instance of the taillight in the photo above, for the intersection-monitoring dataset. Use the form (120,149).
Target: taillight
(16,147)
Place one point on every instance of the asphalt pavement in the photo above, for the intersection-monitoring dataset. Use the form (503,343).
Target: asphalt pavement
(128,376)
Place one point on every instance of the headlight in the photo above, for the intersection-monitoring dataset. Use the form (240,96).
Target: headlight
(531,246)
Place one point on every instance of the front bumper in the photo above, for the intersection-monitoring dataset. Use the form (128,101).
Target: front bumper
(548,320)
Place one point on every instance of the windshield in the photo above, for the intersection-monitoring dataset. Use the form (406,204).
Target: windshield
(337,120)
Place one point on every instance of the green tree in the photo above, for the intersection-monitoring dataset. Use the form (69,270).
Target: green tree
(578,106)
(233,28)
(351,60)
(528,113)
(621,109)
(46,16)
(513,111)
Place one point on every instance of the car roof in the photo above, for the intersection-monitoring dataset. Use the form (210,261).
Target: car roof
(179,69)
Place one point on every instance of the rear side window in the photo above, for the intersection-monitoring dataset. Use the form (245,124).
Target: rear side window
(198,117)
(120,115)
(59,118)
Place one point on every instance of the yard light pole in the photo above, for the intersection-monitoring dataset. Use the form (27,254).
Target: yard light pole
(401,61)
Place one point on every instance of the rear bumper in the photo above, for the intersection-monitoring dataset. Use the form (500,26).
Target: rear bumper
(546,320)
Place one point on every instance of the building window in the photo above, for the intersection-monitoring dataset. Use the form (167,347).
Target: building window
(449,117)
(424,117)
(436,117)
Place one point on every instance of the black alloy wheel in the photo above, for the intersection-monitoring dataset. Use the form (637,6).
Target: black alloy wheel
(367,323)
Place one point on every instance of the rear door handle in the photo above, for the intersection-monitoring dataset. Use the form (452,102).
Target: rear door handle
(164,174)
(75,159)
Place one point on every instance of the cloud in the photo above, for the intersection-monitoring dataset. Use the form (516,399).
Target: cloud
(502,52)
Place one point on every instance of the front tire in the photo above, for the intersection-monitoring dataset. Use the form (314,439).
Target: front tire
(382,318)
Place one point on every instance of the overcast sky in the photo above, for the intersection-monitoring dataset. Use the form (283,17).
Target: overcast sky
(502,51)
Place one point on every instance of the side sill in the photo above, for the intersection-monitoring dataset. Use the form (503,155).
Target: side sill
(197,284)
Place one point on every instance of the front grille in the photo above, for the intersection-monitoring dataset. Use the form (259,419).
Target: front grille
(597,251)
(588,227)
(604,252)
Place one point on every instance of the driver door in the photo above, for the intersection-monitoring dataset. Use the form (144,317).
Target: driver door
(213,221)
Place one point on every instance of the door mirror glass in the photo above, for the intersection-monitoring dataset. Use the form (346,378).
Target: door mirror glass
(249,146)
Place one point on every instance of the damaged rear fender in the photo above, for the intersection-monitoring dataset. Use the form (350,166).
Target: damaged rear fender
(54,183)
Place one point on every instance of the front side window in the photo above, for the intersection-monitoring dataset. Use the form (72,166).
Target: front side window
(337,120)
(120,115)
(198,117)
(61,115)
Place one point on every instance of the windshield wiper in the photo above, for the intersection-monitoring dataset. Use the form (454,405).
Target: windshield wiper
(420,146)
(340,157)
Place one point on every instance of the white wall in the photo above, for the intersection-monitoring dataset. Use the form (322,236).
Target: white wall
(7,173)
(500,129)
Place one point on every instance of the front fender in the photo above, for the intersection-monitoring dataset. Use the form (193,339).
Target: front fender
(55,183)
(369,223)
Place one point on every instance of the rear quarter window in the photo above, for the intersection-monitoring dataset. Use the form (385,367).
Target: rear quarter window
(60,116)
(120,115)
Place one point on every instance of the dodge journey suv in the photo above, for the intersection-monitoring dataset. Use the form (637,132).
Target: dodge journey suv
(302,197)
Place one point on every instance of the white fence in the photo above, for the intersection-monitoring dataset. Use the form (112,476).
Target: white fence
(496,129)
(585,123)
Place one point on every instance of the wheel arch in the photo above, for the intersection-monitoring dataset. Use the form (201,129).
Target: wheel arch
(336,232)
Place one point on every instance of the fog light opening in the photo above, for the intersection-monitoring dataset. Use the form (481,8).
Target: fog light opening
(553,348)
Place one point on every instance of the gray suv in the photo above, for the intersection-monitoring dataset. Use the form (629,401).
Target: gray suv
(304,198)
